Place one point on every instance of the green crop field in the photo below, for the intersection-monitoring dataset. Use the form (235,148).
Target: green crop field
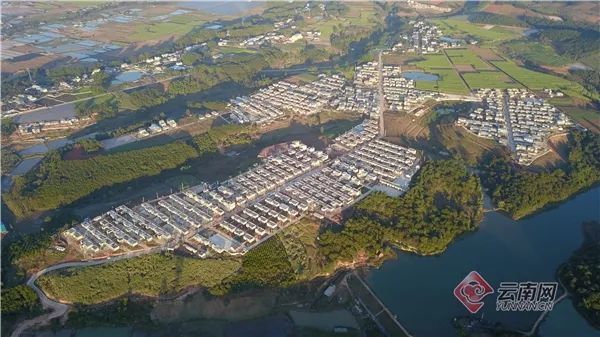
(467,57)
(537,81)
(489,79)
(463,27)
(177,25)
(449,82)
(435,61)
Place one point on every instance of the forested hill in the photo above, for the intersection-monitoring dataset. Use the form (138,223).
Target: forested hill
(444,202)
(521,192)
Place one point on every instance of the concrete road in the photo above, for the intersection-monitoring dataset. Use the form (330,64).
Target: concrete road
(58,309)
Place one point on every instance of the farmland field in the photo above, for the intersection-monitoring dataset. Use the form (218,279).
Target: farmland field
(467,57)
(537,81)
(153,31)
(489,79)
(463,27)
(449,82)
(437,61)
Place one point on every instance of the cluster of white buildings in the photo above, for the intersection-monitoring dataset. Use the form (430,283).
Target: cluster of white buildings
(277,99)
(221,218)
(488,121)
(37,127)
(424,38)
(516,118)
(358,135)
(391,166)
(532,122)
(31,98)
(159,63)
(238,214)
(156,128)
(358,100)
(400,93)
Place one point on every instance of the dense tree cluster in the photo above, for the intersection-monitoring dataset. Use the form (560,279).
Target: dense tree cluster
(57,182)
(444,201)
(575,39)
(589,78)
(105,106)
(495,19)
(521,192)
(10,158)
(19,299)
(581,276)
(150,275)
(8,126)
(223,136)
(264,266)
(143,98)
(90,145)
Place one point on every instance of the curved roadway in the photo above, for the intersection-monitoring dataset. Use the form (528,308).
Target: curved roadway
(58,308)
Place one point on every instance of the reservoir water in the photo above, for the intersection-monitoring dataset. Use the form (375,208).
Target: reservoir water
(420,76)
(419,289)
(126,77)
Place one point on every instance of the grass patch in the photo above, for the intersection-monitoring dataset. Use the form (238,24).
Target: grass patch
(176,26)
(236,50)
(537,81)
(465,28)
(449,82)
(143,143)
(489,79)
(467,57)
(434,61)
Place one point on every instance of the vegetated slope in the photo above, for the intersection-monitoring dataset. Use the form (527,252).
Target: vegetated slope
(444,201)
(150,275)
(581,276)
(521,192)
(58,182)
(264,266)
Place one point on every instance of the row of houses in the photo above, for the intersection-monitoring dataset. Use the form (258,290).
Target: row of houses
(198,210)
(234,216)
(517,115)
(156,128)
(358,135)
(38,127)
(389,164)
(532,120)
(272,102)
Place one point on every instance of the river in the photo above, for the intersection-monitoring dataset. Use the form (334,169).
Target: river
(419,290)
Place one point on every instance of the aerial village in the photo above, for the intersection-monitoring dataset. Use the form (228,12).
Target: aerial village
(515,118)
(297,181)
(234,216)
